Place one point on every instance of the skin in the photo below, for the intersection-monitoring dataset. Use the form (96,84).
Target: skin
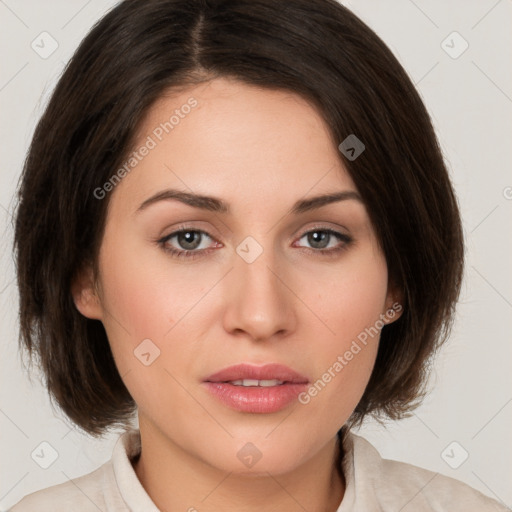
(260,151)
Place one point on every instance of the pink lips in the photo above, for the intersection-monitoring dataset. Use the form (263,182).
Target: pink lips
(256,399)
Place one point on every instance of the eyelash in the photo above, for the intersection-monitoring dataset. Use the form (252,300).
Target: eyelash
(190,254)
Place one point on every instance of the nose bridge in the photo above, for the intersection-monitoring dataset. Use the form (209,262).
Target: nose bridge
(261,305)
(258,275)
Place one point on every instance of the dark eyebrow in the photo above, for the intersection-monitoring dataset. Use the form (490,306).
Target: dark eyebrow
(311,203)
(214,204)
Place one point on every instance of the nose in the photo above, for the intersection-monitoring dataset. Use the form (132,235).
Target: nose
(260,300)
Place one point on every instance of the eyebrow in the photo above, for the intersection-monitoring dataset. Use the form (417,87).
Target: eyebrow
(217,205)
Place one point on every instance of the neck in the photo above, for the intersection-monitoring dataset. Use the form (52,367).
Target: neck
(176,480)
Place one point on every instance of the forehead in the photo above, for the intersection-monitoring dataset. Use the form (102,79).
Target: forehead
(243,143)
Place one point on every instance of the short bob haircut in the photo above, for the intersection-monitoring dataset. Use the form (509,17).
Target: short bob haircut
(317,49)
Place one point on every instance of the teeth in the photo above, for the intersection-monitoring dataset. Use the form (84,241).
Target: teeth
(254,382)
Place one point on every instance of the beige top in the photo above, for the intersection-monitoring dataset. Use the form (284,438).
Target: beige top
(372,484)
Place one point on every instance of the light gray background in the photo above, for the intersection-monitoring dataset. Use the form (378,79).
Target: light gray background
(470,100)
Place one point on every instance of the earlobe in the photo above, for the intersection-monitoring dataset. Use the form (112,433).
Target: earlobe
(394,312)
(394,305)
(85,295)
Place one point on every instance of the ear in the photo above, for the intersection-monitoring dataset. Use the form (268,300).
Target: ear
(85,294)
(394,304)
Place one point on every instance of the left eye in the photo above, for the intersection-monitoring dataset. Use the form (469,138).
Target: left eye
(320,238)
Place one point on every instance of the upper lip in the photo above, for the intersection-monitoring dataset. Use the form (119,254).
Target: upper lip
(266,372)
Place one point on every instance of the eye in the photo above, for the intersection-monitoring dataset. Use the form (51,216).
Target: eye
(189,243)
(326,241)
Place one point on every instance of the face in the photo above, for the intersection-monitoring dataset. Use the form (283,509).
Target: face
(258,276)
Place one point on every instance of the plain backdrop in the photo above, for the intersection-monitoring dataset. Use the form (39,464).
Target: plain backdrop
(463,428)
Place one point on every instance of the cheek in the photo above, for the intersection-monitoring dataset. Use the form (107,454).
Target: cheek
(352,295)
(140,307)
(134,309)
(146,294)
(150,307)
(350,305)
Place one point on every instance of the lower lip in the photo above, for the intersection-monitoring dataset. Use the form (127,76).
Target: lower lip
(255,399)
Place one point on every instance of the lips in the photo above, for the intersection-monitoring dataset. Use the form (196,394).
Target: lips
(268,372)
(256,389)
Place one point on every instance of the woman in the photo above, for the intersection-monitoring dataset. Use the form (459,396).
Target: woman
(236,222)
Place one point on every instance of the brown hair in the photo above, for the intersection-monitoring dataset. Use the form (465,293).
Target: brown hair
(315,48)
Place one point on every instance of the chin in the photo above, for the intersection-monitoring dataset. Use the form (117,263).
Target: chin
(258,454)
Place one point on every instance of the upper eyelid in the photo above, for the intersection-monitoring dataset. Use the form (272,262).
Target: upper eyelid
(184,230)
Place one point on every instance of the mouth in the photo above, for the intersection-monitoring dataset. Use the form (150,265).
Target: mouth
(254,382)
(256,389)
